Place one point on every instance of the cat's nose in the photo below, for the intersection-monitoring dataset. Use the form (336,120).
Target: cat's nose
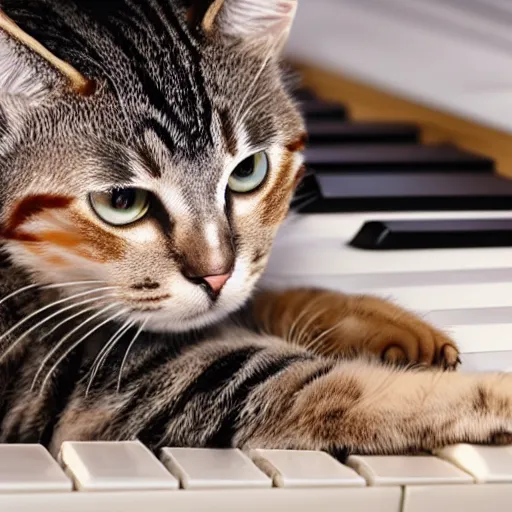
(217,283)
(213,284)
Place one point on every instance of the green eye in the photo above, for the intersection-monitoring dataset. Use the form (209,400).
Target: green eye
(121,206)
(249,174)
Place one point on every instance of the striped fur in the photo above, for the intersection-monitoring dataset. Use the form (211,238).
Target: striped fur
(103,336)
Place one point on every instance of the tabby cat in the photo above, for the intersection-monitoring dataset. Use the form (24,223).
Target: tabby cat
(149,152)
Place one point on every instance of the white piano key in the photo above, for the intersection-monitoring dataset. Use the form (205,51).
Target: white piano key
(441,297)
(476,330)
(327,257)
(291,469)
(363,283)
(450,498)
(487,464)
(482,338)
(417,470)
(213,469)
(319,245)
(486,362)
(115,466)
(30,468)
(477,316)
(383,499)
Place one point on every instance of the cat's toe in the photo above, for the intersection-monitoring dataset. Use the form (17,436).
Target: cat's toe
(449,357)
(395,355)
(415,343)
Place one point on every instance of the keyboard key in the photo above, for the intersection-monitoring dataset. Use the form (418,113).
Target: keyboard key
(477,338)
(401,192)
(334,132)
(471,317)
(319,109)
(397,284)
(487,464)
(213,469)
(450,498)
(304,94)
(333,257)
(395,158)
(381,499)
(290,469)
(486,362)
(417,470)
(433,234)
(448,296)
(115,466)
(30,468)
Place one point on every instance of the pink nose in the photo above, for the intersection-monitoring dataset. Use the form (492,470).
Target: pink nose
(216,283)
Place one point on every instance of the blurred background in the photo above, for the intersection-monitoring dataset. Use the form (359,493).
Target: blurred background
(453,55)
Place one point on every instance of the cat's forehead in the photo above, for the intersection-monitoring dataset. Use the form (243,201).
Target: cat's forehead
(187,106)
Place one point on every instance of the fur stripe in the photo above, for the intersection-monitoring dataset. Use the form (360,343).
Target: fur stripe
(206,107)
(313,377)
(229,132)
(60,39)
(137,59)
(184,37)
(223,438)
(212,379)
(28,208)
(299,144)
(175,31)
(162,134)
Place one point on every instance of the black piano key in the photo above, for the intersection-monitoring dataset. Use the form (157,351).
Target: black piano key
(434,234)
(320,109)
(304,94)
(334,132)
(395,158)
(422,191)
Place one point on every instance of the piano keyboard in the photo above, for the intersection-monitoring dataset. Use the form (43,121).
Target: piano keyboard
(127,477)
(428,227)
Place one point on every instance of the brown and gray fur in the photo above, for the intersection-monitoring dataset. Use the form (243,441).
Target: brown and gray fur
(175,96)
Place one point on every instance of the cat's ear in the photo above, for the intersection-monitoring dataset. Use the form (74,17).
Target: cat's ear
(251,20)
(28,70)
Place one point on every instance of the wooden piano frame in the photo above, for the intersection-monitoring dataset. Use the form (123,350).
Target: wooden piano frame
(366,103)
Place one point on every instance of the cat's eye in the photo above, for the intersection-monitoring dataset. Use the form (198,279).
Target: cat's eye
(120,206)
(249,174)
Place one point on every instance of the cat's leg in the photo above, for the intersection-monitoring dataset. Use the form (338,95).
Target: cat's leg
(330,323)
(247,391)
(374,409)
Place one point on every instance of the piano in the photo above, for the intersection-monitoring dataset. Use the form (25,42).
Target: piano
(407,197)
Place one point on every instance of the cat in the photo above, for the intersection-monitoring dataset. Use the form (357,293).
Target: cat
(149,151)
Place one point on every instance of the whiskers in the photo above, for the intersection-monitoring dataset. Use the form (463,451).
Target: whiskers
(74,345)
(47,287)
(105,351)
(130,346)
(45,308)
(53,315)
(96,302)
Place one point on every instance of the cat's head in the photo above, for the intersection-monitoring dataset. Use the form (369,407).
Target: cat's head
(148,147)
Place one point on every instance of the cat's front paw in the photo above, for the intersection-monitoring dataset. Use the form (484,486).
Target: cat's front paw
(398,336)
(371,325)
(331,323)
